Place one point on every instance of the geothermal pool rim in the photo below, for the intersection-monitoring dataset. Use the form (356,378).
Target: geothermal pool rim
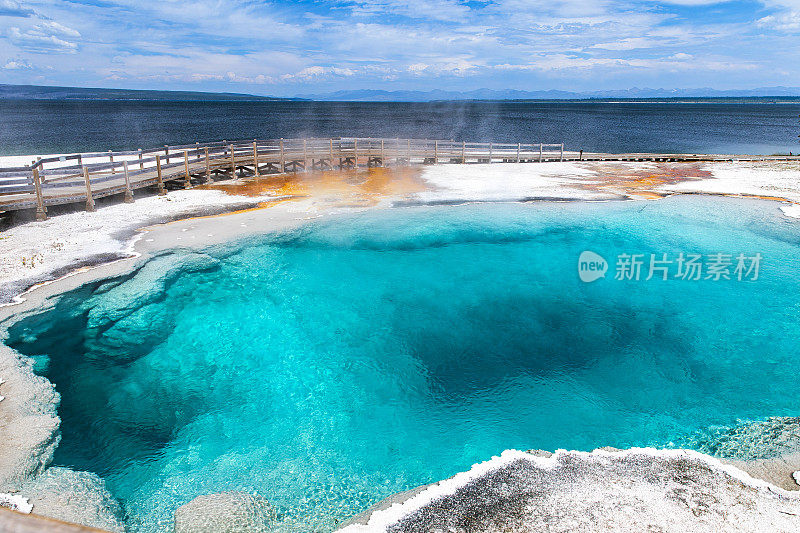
(81,177)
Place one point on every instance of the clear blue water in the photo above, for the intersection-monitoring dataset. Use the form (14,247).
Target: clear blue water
(48,126)
(328,367)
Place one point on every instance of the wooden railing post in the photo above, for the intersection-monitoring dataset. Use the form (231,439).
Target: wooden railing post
(541,153)
(166,153)
(89,199)
(408,151)
(111,158)
(332,154)
(283,158)
(159,178)
(128,190)
(435,152)
(188,183)
(519,147)
(355,153)
(397,152)
(305,156)
(41,210)
(255,160)
(491,151)
(233,163)
(197,150)
(141,161)
(562,152)
(463,151)
(383,158)
(208,166)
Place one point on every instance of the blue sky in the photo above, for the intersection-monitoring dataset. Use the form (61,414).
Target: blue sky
(290,48)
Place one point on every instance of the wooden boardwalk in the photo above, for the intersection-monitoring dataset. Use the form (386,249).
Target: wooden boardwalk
(85,177)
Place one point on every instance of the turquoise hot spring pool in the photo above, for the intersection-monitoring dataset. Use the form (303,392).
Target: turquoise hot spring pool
(330,366)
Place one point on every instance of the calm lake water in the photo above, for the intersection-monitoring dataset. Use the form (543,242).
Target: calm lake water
(47,126)
(330,366)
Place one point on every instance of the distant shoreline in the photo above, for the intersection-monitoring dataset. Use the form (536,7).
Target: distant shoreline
(56,93)
(709,101)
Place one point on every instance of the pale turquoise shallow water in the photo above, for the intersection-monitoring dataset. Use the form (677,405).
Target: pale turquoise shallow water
(330,366)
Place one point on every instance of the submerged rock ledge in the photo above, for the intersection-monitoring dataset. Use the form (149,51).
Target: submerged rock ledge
(29,435)
(640,489)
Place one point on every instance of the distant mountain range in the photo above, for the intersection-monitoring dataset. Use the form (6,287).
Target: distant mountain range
(368,95)
(765,94)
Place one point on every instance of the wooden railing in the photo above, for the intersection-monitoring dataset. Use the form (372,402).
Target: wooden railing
(86,176)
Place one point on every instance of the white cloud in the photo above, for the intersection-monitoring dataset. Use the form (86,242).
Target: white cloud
(692,2)
(315,72)
(791,5)
(675,63)
(18,64)
(455,67)
(54,28)
(446,10)
(236,19)
(43,38)
(785,22)
(198,65)
(10,8)
(631,43)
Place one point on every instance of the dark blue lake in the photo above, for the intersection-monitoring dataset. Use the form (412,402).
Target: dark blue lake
(46,126)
